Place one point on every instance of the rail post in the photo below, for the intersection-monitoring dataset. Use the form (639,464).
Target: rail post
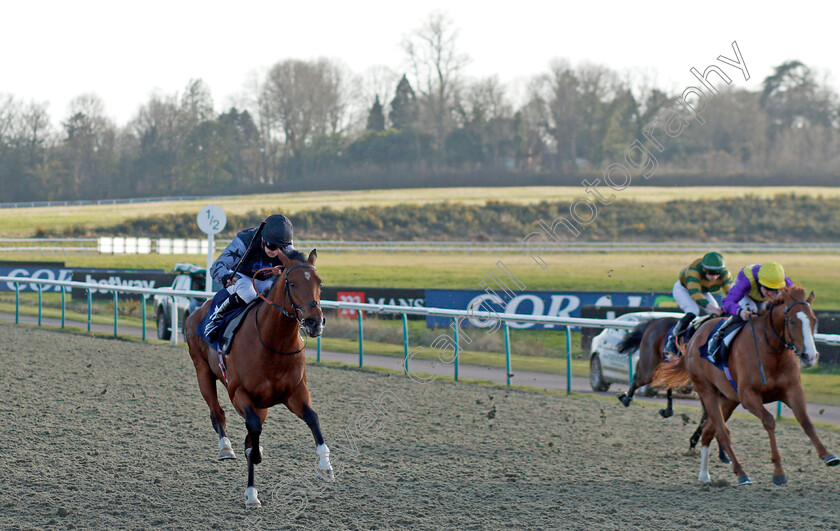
(17,303)
(630,370)
(507,352)
(115,313)
(361,339)
(143,326)
(173,322)
(568,360)
(318,350)
(40,290)
(63,297)
(89,304)
(405,342)
(455,340)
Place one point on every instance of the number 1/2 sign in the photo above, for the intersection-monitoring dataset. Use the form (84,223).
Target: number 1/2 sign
(211,220)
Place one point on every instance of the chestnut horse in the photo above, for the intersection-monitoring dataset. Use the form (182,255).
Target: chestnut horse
(764,360)
(266,364)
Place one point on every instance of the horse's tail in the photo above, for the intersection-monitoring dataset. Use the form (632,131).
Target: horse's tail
(634,338)
(672,373)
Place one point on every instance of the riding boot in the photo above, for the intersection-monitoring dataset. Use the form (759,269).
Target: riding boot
(679,329)
(670,348)
(212,331)
(682,326)
(715,344)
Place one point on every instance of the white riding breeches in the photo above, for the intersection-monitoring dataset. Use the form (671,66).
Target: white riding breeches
(686,303)
(245,289)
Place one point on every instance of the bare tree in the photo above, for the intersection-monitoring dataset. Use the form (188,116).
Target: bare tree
(89,147)
(484,108)
(556,98)
(436,64)
(306,100)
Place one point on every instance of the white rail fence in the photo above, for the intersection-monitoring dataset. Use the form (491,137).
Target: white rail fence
(456,315)
(131,245)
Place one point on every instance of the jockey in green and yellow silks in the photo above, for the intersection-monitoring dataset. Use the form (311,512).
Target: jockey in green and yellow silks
(693,291)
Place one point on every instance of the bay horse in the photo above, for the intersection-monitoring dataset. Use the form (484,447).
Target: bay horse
(266,365)
(764,361)
(649,337)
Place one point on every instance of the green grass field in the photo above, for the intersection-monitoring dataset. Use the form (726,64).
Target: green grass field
(23,222)
(565,271)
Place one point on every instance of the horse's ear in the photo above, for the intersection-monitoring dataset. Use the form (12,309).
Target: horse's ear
(810,298)
(312,256)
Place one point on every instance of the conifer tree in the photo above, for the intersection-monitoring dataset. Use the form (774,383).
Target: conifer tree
(404,106)
(376,118)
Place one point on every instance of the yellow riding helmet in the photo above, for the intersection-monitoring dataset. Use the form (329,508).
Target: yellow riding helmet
(771,275)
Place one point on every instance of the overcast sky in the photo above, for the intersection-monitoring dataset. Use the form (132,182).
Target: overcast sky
(53,51)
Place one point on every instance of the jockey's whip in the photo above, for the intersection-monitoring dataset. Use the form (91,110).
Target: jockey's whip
(757,357)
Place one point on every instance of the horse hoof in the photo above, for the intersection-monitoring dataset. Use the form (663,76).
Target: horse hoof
(624,400)
(255,457)
(666,413)
(704,478)
(744,480)
(780,480)
(226,453)
(327,476)
(723,459)
(251,500)
(831,460)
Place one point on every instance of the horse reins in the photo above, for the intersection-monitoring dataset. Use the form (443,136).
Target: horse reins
(298,309)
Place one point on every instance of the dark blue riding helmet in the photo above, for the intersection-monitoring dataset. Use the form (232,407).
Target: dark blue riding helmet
(278,230)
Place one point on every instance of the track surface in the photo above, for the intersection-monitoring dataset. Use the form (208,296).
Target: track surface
(110,434)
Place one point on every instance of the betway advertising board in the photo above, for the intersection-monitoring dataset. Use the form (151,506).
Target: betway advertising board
(545,303)
(150,279)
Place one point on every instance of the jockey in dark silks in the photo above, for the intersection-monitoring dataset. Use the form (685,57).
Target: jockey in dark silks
(236,268)
(693,292)
(755,284)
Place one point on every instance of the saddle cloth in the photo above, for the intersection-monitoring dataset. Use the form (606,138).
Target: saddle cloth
(231,321)
(721,360)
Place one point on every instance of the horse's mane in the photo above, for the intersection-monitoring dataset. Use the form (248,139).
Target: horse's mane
(795,292)
(294,254)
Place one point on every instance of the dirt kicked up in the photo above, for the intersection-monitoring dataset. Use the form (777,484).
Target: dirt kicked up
(110,434)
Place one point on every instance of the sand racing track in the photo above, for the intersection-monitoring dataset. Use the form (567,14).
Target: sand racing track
(112,434)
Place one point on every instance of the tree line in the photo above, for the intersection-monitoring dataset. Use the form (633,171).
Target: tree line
(314,120)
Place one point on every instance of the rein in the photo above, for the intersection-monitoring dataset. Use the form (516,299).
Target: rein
(298,309)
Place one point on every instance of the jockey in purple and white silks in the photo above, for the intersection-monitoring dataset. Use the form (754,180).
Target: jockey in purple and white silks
(247,259)
(693,292)
(754,285)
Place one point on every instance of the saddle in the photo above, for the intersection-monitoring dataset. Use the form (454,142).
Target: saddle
(695,324)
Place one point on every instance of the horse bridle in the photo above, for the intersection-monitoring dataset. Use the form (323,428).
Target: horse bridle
(298,309)
(785,332)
